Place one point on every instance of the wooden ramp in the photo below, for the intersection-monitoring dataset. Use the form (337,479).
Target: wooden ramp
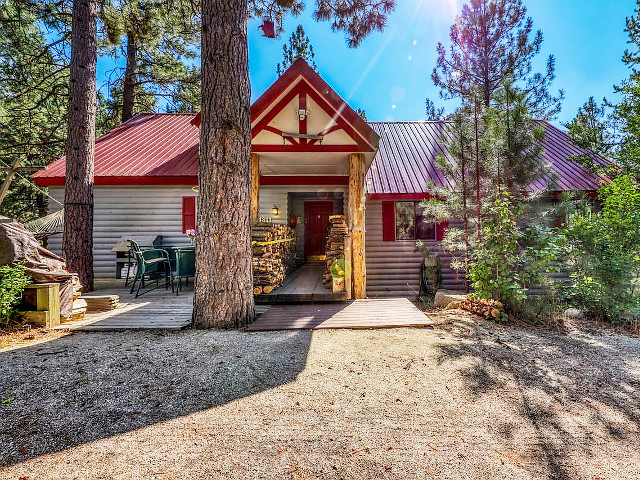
(159,309)
(374,313)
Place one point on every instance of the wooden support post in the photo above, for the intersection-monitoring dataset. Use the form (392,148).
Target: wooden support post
(348,277)
(255,188)
(356,225)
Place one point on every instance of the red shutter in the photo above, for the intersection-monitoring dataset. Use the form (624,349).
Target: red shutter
(388,221)
(440,228)
(188,213)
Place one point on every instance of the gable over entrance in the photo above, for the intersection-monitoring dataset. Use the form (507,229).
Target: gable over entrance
(301,127)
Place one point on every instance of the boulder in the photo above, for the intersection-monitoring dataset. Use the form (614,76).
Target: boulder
(444,297)
(574,314)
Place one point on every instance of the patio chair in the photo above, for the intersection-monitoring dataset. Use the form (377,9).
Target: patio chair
(152,264)
(185,266)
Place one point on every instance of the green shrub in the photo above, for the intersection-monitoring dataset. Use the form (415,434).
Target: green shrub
(337,268)
(13,280)
(603,251)
(508,259)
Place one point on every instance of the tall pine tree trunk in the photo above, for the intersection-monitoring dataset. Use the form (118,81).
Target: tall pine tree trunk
(223,291)
(78,199)
(129,84)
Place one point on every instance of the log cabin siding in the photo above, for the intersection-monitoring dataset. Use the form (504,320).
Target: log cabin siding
(157,210)
(393,267)
(121,210)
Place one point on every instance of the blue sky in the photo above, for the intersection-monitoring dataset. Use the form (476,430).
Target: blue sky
(393,68)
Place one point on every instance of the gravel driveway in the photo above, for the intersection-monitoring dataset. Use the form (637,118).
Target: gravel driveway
(464,400)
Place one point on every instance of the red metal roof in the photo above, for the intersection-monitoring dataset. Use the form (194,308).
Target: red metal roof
(147,149)
(406,159)
(163,149)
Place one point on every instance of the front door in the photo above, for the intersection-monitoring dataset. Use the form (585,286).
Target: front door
(316,223)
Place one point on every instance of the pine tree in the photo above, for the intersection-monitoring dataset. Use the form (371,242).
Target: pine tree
(513,144)
(627,112)
(77,242)
(224,291)
(593,130)
(32,104)
(491,44)
(299,47)
(158,42)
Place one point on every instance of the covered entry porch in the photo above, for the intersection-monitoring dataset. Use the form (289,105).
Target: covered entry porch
(310,154)
(304,285)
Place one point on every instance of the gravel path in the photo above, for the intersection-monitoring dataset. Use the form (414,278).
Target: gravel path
(464,400)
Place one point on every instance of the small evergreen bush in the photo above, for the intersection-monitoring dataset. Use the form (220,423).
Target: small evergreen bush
(508,259)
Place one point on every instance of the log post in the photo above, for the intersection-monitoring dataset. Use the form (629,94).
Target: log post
(255,188)
(348,282)
(356,225)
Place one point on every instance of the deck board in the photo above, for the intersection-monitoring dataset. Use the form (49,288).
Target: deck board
(304,285)
(159,309)
(370,313)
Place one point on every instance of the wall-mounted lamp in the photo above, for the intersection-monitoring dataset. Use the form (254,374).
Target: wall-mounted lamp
(302,113)
(274,210)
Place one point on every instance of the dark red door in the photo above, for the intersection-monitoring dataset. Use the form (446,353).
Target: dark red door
(316,223)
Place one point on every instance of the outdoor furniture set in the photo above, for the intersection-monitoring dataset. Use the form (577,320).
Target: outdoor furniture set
(157,267)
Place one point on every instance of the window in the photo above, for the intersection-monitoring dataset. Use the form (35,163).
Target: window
(410,222)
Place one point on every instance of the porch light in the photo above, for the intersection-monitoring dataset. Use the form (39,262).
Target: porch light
(274,210)
(302,113)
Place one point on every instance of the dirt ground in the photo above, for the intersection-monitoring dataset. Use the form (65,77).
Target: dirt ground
(467,399)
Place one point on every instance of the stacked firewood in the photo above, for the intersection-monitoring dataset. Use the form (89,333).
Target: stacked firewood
(274,255)
(335,245)
(487,308)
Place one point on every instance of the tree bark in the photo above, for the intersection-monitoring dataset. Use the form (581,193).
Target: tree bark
(224,285)
(78,198)
(129,84)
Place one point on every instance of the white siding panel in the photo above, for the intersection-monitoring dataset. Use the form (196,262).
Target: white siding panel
(135,210)
(393,268)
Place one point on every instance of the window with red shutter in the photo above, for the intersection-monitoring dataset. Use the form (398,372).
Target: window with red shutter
(188,213)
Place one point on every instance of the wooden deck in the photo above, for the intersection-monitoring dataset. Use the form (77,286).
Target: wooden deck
(159,309)
(303,286)
(373,313)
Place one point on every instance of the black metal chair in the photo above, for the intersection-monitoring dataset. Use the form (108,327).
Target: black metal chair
(151,265)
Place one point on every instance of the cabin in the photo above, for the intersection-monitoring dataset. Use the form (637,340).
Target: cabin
(312,157)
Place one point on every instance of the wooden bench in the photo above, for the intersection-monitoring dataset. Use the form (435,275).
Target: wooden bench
(47,304)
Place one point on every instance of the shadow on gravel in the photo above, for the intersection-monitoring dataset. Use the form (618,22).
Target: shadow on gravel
(90,386)
(555,376)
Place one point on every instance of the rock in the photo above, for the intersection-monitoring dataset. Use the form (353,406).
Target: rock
(574,314)
(444,297)
(453,306)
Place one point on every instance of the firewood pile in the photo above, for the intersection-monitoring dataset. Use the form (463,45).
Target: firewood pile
(335,245)
(274,255)
(487,308)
